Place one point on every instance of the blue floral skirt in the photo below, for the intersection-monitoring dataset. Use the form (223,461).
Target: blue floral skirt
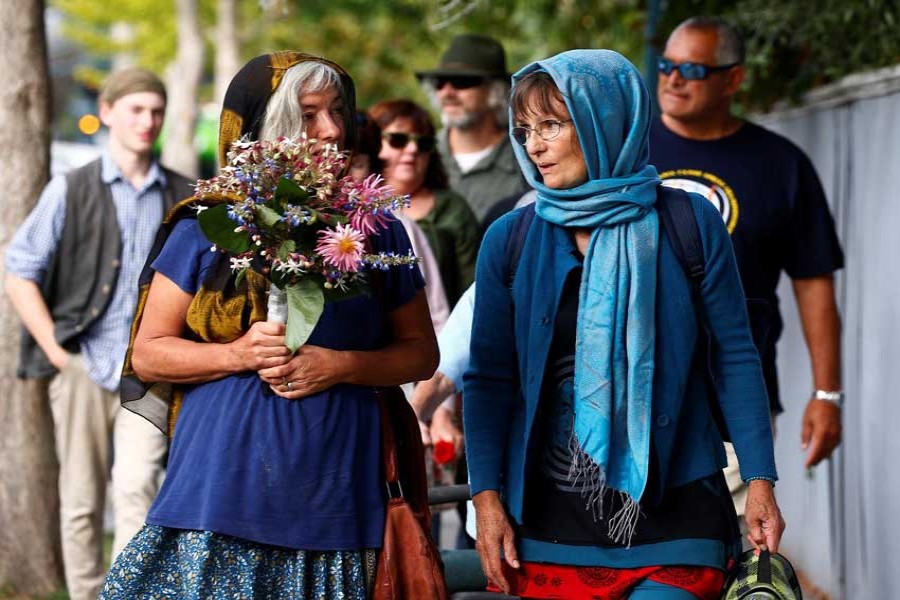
(179,564)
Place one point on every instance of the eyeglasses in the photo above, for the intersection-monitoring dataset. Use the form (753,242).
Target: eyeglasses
(459,82)
(546,130)
(688,70)
(399,140)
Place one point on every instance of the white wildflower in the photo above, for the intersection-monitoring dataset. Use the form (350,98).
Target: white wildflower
(239,263)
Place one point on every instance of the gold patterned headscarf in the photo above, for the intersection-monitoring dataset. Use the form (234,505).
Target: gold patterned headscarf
(221,311)
(249,92)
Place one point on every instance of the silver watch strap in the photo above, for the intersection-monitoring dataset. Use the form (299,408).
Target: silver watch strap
(836,397)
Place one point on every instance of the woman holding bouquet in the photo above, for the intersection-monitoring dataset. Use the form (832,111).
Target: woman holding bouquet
(274,485)
(595,461)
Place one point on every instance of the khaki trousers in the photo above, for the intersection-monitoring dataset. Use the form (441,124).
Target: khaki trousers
(89,422)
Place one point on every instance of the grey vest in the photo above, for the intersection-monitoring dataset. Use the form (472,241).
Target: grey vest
(84,270)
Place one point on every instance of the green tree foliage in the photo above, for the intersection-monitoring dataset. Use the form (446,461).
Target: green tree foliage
(792,46)
(797,45)
(380,43)
(89,23)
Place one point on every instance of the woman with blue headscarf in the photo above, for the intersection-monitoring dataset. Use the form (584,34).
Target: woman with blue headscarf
(594,456)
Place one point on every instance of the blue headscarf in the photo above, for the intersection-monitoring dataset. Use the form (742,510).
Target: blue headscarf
(616,336)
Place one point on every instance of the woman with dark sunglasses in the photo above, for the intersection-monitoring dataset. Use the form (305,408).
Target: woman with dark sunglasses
(594,456)
(365,162)
(411,166)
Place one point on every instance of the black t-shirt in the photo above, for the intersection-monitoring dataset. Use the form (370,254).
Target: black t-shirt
(555,509)
(773,205)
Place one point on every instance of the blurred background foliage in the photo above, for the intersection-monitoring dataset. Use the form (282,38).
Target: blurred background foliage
(792,46)
(380,43)
(795,45)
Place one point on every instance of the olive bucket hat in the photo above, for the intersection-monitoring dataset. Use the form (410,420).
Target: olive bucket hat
(764,577)
(471,55)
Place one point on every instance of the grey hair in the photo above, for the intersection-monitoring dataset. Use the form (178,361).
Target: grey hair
(497,100)
(284,114)
(729,46)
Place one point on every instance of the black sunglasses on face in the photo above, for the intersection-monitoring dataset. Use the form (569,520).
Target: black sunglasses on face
(398,140)
(688,70)
(459,82)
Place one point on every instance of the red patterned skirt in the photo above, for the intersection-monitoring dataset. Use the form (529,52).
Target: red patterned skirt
(542,580)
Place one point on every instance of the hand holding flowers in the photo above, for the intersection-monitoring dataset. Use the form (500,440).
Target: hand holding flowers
(311,370)
(282,209)
(261,348)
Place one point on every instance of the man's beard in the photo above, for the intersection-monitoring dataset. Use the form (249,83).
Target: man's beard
(467,120)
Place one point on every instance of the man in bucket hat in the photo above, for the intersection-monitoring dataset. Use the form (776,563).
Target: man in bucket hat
(470,88)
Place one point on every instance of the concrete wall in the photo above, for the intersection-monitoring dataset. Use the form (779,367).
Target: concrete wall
(841,530)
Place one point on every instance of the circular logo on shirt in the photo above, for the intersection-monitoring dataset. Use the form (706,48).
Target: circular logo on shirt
(556,459)
(710,187)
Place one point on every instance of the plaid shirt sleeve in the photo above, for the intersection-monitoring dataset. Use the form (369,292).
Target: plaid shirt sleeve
(28,255)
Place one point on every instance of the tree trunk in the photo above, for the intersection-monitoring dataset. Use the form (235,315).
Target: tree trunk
(30,555)
(183,87)
(228,56)
(122,34)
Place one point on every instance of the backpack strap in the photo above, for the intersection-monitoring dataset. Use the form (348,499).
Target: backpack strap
(677,218)
(676,215)
(517,241)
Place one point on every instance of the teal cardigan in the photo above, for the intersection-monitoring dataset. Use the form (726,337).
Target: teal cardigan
(511,335)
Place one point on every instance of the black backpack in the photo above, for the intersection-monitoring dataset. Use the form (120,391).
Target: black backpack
(677,221)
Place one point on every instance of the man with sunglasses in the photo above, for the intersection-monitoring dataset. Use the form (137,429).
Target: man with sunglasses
(470,88)
(771,201)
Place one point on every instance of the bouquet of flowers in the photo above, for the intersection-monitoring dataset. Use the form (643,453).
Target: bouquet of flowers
(287,213)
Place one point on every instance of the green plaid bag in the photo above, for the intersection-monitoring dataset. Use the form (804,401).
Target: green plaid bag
(764,577)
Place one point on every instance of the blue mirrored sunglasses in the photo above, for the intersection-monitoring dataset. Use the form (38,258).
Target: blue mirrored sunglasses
(688,70)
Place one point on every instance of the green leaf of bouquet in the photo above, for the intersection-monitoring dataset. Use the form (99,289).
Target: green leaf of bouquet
(239,277)
(267,217)
(305,305)
(220,230)
(288,192)
(286,247)
(329,219)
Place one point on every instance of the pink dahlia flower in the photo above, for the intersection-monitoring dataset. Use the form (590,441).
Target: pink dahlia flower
(373,201)
(341,247)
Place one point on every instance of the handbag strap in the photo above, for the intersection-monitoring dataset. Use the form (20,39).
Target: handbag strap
(389,448)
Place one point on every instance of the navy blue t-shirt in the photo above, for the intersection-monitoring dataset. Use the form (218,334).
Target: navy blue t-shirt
(773,204)
(303,474)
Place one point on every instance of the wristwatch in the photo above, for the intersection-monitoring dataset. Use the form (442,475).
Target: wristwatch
(833,397)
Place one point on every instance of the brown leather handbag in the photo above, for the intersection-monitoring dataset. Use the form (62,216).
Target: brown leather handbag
(409,565)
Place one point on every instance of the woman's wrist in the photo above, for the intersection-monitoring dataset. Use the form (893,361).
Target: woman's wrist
(759,481)
(486,497)
(342,367)
(342,364)
(232,358)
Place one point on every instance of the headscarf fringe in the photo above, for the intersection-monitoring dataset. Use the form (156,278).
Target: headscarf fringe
(590,477)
